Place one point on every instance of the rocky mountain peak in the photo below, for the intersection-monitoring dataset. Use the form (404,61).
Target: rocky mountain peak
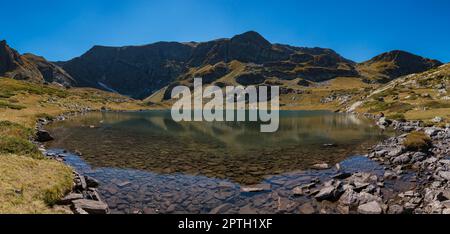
(251,37)
(9,58)
(30,67)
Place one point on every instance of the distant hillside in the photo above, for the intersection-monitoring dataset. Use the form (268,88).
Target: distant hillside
(245,59)
(388,66)
(30,67)
(139,71)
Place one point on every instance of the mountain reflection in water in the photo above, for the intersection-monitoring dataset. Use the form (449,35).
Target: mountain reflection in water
(237,151)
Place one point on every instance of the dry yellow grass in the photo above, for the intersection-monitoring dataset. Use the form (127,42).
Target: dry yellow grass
(28,185)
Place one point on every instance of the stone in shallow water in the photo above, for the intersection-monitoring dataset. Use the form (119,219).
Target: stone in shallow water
(124,183)
(256,188)
(320,166)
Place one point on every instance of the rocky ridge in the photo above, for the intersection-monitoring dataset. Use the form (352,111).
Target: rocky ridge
(31,67)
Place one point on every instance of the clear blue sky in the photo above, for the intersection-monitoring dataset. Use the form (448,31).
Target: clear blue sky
(357,29)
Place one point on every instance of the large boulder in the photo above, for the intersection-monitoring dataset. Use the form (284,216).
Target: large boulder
(43,136)
(372,207)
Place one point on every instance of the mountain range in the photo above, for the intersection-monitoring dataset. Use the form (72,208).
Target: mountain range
(246,59)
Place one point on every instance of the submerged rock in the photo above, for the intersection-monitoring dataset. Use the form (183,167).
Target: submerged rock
(91,182)
(256,188)
(320,166)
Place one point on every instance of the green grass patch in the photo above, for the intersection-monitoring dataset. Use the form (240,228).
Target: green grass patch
(9,105)
(397,116)
(399,107)
(11,129)
(376,106)
(396,107)
(386,93)
(15,145)
(417,141)
(10,87)
(436,105)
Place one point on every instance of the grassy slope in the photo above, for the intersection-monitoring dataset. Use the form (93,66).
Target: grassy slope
(413,97)
(304,98)
(28,182)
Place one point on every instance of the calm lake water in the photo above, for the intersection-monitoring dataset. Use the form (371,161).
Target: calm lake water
(147,162)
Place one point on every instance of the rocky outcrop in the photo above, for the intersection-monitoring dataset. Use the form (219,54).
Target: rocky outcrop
(30,67)
(432,169)
(50,72)
(15,66)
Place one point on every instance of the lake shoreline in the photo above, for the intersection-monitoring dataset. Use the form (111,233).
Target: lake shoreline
(84,197)
(361,192)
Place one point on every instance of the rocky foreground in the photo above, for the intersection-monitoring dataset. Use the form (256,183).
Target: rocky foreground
(428,169)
